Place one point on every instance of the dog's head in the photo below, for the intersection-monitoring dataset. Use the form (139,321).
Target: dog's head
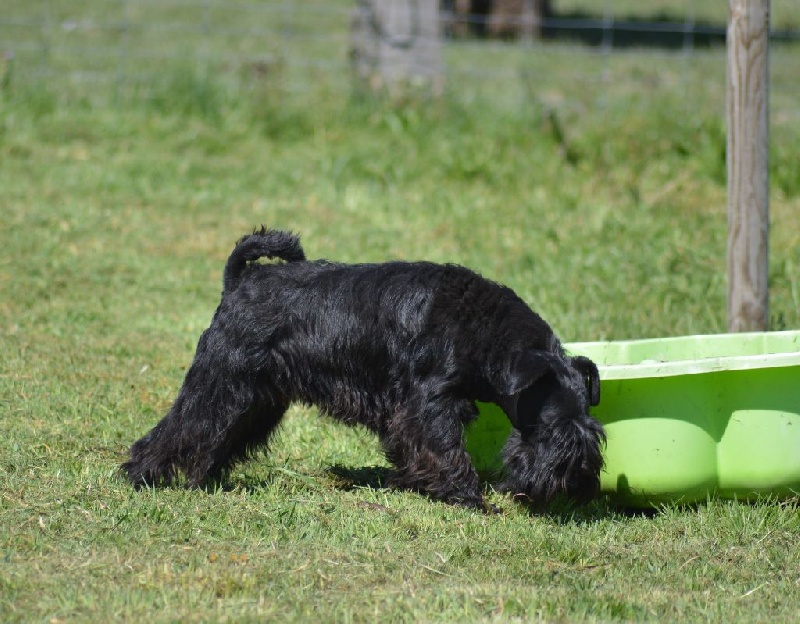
(557,448)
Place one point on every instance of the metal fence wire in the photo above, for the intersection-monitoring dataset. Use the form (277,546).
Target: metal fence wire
(113,48)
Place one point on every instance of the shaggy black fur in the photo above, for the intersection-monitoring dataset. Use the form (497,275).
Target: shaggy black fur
(404,349)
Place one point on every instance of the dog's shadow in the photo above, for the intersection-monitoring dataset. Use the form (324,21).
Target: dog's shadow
(565,512)
(351,478)
(561,510)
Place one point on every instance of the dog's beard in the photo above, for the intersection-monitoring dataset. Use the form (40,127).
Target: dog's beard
(561,458)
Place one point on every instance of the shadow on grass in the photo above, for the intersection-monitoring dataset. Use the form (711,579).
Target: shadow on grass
(563,511)
(560,510)
(349,478)
(337,477)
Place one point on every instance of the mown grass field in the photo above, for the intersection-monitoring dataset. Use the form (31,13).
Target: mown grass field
(601,203)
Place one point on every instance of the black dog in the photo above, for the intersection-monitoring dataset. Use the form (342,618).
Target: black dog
(404,349)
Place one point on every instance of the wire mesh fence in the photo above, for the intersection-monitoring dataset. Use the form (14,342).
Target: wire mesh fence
(98,49)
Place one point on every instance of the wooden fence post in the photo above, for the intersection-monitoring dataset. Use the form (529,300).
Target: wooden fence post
(395,44)
(748,159)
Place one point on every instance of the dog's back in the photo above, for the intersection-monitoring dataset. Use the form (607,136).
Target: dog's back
(369,325)
(407,294)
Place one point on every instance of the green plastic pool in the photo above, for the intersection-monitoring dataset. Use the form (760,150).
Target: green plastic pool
(687,417)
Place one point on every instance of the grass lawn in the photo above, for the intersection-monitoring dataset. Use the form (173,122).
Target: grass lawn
(604,208)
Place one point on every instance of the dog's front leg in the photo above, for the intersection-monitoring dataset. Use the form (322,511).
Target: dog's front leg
(425,443)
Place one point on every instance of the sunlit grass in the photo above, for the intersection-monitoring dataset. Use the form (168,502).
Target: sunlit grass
(604,208)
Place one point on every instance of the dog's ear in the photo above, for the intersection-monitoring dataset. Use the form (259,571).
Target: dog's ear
(591,376)
(522,370)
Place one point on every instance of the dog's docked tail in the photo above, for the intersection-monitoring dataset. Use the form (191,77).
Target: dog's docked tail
(261,243)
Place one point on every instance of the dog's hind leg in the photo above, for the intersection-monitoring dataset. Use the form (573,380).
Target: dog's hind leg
(204,434)
(223,411)
(241,434)
(425,443)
